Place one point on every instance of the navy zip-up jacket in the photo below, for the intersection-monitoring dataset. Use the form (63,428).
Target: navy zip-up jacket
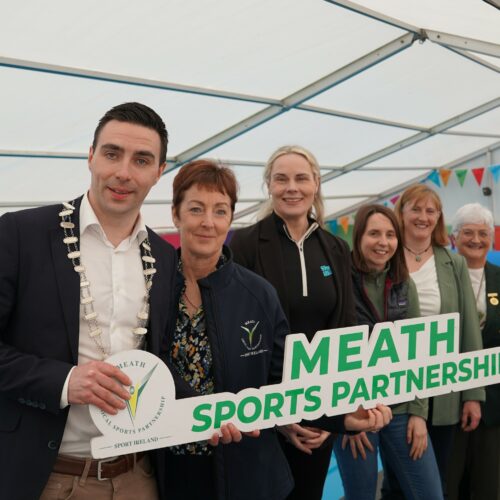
(234,297)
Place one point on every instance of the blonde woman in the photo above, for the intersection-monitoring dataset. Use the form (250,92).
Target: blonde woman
(311,270)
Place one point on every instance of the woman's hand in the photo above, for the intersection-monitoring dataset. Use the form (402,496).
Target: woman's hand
(471,415)
(299,436)
(416,435)
(358,442)
(230,434)
(368,420)
(316,442)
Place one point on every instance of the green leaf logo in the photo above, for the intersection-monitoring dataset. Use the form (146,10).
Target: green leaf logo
(135,392)
(251,332)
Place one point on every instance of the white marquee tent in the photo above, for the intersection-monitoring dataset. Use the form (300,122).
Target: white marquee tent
(380,90)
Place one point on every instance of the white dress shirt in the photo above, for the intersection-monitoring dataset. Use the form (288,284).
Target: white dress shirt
(118,288)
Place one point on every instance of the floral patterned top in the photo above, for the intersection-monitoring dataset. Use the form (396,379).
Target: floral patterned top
(192,357)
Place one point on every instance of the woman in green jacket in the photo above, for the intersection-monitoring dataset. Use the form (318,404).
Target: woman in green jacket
(443,286)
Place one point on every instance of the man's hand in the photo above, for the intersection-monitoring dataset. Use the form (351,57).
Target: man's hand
(358,442)
(471,415)
(368,420)
(230,434)
(416,435)
(299,436)
(100,384)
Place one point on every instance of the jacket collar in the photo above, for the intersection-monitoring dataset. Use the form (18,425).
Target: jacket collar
(217,279)
(271,260)
(492,275)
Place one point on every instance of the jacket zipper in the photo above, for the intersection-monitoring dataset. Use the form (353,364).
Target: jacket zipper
(218,384)
(300,246)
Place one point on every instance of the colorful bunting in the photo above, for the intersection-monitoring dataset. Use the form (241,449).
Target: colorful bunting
(344,222)
(386,204)
(495,172)
(434,177)
(478,174)
(333,226)
(394,199)
(461,174)
(445,175)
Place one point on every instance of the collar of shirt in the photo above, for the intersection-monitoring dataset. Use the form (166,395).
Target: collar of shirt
(89,221)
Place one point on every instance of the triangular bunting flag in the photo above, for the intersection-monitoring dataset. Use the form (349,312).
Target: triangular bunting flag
(434,177)
(461,174)
(445,175)
(386,204)
(478,174)
(333,226)
(394,199)
(495,172)
(344,222)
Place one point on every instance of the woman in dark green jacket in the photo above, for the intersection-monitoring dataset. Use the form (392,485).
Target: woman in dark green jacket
(383,291)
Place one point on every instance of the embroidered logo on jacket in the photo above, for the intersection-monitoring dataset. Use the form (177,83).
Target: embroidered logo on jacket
(251,338)
(326,270)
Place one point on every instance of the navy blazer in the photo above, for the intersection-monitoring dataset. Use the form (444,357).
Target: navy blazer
(39,331)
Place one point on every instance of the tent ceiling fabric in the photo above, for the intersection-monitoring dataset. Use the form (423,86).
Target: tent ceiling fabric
(380,90)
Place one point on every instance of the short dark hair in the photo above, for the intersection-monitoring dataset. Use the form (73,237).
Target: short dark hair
(206,174)
(398,268)
(139,114)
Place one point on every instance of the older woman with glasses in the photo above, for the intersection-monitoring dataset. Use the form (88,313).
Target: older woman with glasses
(475,463)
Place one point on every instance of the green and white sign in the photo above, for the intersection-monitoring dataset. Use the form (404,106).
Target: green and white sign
(332,375)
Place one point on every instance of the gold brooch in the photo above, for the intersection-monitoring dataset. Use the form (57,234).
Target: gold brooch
(493,299)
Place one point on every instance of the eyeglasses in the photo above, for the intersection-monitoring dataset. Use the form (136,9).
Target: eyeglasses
(482,234)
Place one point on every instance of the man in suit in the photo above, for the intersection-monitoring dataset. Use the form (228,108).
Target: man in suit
(476,458)
(78,282)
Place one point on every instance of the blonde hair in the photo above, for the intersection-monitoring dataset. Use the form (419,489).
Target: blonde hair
(317,210)
(416,193)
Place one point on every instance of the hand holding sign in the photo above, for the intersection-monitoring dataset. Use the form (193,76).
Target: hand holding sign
(368,420)
(333,375)
(230,434)
(100,384)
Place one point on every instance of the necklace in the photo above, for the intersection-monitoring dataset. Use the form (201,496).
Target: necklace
(86,299)
(191,302)
(480,314)
(418,255)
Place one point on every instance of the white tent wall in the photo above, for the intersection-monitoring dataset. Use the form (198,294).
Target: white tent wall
(380,91)
(454,196)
